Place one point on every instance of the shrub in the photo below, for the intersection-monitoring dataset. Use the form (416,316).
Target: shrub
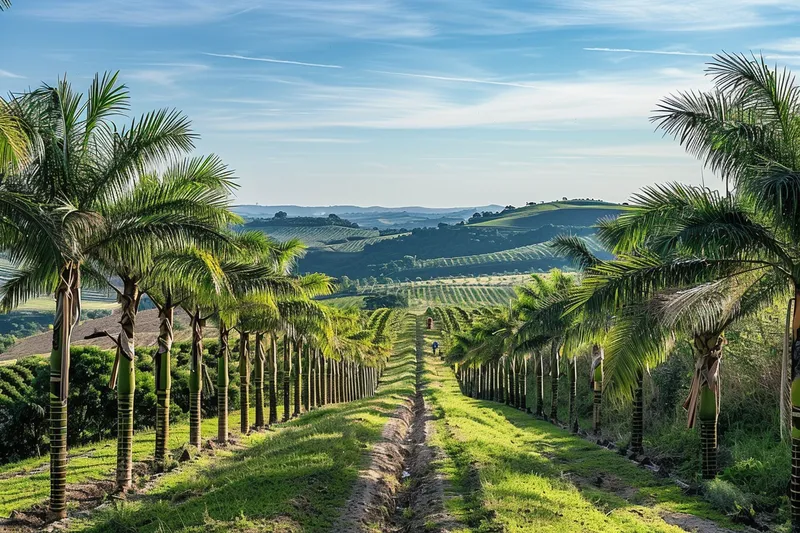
(727,497)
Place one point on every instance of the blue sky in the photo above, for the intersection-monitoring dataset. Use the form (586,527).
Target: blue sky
(398,102)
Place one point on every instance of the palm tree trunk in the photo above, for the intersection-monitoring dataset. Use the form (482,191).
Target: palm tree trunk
(244,381)
(509,380)
(258,379)
(526,364)
(539,362)
(273,380)
(573,394)
(319,380)
(703,400)
(637,424)
(298,378)
(309,392)
(554,375)
(163,379)
(341,378)
(287,369)
(597,386)
(125,380)
(196,380)
(324,368)
(68,311)
(223,380)
(794,488)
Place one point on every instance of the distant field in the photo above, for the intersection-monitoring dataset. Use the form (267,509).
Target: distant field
(358,245)
(319,236)
(90,300)
(465,292)
(570,213)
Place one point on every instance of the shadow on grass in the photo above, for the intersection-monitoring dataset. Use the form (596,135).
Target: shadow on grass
(297,478)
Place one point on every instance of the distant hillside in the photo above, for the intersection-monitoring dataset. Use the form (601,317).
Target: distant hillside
(372,217)
(566,213)
(508,241)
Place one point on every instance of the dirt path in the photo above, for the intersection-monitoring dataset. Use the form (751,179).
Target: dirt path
(420,500)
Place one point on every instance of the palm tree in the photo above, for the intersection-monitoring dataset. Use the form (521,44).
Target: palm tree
(577,250)
(543,305)
(56,200)
(186,205)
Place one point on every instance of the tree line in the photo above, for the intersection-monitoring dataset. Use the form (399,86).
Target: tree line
(86,202)
(689,263)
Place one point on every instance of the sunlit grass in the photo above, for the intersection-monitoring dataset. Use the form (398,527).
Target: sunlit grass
(514,473)
(294,479)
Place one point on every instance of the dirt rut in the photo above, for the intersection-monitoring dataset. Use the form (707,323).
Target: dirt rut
(420,500)
(401,491)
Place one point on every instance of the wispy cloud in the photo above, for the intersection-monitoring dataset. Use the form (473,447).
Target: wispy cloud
(455,79)
(615,102)
(392,19)
(7,74)
(142,12)
(656,52)
(271,60)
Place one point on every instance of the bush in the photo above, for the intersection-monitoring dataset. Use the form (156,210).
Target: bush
(727,497)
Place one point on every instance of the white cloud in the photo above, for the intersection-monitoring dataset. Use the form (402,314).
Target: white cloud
(409,19)
(655,52)
(8,74)
(271,60)
(603,102)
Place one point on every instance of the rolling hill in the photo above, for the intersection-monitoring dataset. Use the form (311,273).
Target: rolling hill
(500,242)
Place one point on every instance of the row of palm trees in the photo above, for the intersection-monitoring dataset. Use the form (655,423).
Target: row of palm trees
(88,202)
(687,262)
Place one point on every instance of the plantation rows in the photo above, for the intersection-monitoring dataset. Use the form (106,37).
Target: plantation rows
(470,296)
(358,246)
(317,236)
(523,253)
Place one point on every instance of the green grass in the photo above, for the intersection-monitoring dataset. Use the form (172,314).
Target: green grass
(517,474)
(30,483)
(559,213)
(90,300)
(294,479)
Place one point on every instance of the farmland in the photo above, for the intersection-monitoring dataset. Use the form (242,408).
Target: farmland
(466,292)
(318,236)
(571,213)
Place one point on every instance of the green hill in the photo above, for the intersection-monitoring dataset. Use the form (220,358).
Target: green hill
(566,213)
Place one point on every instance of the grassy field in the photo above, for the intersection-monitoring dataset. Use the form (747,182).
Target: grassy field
(295,478)
(566,213)
(511,472)
(90,300)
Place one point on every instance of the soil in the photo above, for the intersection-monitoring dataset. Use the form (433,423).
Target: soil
(696,524)
(373,497)
(420,502)
(147,325)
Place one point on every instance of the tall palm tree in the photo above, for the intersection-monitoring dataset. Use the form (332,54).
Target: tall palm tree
(55,201)
(542,305)
(187,204)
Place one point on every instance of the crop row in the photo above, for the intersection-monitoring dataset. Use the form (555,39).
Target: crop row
(316,236)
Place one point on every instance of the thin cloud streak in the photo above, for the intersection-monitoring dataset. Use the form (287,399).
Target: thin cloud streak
(655,52)
(448,78)
(270,60)
(7,74)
